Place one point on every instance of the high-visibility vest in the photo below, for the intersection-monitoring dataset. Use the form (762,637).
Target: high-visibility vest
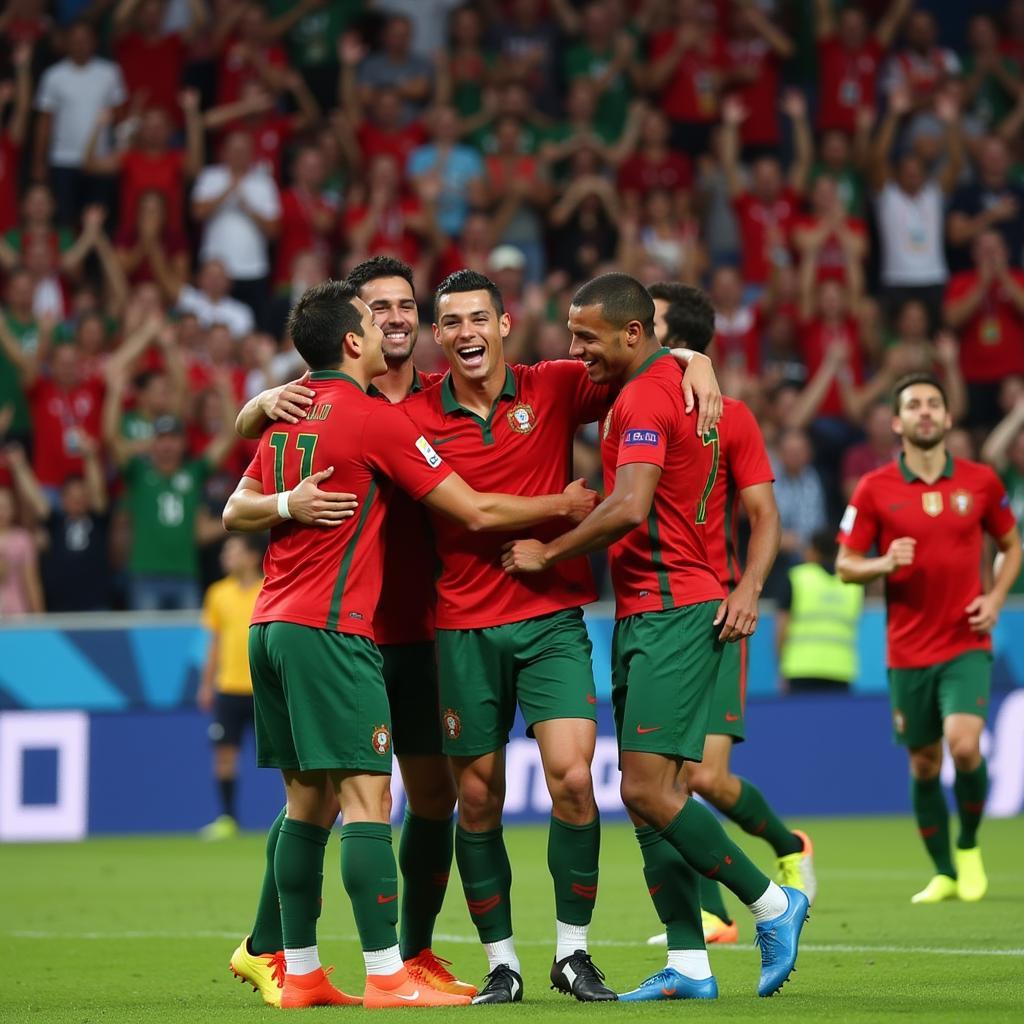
(821,640)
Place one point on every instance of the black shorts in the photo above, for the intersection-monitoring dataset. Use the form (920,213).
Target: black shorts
(232,713)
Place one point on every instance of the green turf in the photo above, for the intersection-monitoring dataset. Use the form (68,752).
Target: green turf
(141,930)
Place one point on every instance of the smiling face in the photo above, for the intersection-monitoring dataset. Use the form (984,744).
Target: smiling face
(606,351)
(393,306)
(371,352)
(472,334)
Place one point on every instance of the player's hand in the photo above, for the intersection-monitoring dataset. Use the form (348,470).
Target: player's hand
(700,387)
(289,402)
(524,556)
(901,553)
(204,698)
(737,614)
(313,507)
(983,613)
(582,500)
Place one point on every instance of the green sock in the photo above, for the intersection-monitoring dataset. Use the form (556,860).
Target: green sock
(266,930)
(933,822)
(711,899)
(573,852)
(696,833)
(425,860)
(370,877)
(486,881)
(299,872)
(752,813)
(674,890)
(970,790)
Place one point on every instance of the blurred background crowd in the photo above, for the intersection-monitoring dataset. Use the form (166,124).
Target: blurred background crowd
(846,180)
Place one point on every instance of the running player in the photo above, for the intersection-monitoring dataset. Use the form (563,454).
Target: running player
(403,627)
(928,512)
(322,715)
(684,316)
(667,647)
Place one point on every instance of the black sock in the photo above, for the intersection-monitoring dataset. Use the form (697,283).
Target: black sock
(227,796)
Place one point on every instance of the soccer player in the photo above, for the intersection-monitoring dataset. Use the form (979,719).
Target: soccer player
(322,714)
(927,513)
(684,316)
(226,689)
(403,625)
(667,646)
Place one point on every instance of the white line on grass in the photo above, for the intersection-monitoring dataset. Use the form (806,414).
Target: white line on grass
(472,940)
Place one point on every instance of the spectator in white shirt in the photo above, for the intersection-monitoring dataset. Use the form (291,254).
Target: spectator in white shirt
(72,95)
(211,302)
(238,205)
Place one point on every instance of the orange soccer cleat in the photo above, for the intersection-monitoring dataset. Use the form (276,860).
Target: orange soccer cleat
(429,969)
(387,991)
(313,989)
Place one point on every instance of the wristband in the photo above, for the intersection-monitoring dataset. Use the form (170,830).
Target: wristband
(282,505)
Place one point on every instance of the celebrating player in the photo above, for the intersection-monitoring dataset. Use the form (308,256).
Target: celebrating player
(684,316)
(322,714)
(666,648)
(927,512)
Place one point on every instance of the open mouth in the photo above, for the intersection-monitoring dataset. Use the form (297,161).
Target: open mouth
(396,337)
(471,356)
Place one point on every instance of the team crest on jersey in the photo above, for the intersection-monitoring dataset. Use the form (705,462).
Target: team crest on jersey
(899,722)
(452,724)
(931,502)
(381,739)
(521,418)
(962,502)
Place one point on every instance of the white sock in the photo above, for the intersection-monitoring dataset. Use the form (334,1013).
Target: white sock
(502,952)
(383,961)
(302,961)
(771,903)
(691,963)
(569,938)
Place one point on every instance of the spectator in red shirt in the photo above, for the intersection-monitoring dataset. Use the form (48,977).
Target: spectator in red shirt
(308,218)
(986,306)
(829,239)
(150,162)
(878,449)
(153,250)
(37,212)
(151,59)
(849,60)
(767,210)
(247,51)
(13,134)
(654,165)
(754,50)
(1012,42)
(922,66)
(737,325)
(687,64)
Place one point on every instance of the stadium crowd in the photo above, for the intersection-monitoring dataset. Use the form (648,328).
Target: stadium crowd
(174,173)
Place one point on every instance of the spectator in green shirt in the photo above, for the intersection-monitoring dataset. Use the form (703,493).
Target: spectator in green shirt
(1004,452)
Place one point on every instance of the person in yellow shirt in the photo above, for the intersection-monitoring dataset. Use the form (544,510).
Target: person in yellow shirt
(226,687)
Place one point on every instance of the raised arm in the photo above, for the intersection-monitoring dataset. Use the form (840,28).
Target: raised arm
(17,126)
(879,168)
(794,105)
(889,25)
(94,163)
(220,447)
(733,115)
(26,484)
(780,43)
(948,109)
(195,150)
(824,21)
(996,449)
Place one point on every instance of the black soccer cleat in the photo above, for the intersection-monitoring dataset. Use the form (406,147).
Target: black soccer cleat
(580,977)
(502,985)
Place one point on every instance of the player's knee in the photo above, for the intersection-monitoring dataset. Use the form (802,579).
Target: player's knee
(572,792)
(479,802)
(965,750)
(709,782)
(638,797)
(926,763)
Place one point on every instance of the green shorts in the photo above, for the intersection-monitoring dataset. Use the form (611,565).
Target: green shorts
(922,698)
(729,699)
(542,664)
(664,667)
(410,676)
(320,700)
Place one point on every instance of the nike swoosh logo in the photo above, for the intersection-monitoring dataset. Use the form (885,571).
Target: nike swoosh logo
(591,699)
(409,999)
(668,992)
(644,730)
(730,717)
(386,899)
(438,441)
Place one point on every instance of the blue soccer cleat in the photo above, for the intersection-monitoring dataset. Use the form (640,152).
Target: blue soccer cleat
(779,940)
(670,984)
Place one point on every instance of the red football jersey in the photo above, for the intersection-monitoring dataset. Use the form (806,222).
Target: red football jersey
(57,417)
(992,341)
(330,577)
(927,623)
(514,451)
(742,462)
(664,563)
(765,230)
(847,81)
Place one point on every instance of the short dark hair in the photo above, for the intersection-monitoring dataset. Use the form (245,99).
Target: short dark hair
(469,281)
(822,541)
(690,317)
(377,267)
(320,320)
(909,380)
(622,299)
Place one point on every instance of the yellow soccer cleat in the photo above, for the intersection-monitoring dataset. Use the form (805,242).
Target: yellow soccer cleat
(426,968)
(716,930)
(940,888)
(264,971)
(796,870)
(971,880)
(223,827)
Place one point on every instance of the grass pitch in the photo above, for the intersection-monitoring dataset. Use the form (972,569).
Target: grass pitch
(141,930)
